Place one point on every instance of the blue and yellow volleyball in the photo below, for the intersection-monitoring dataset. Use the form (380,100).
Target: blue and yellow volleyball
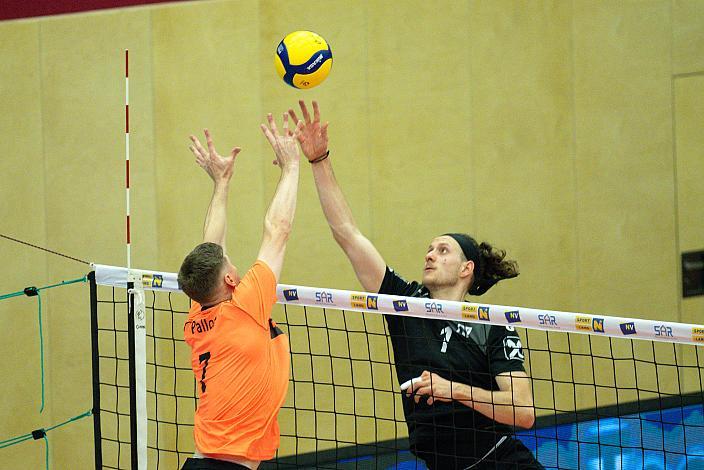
(303,59)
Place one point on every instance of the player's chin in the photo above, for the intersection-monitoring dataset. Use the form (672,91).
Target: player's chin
(428,277)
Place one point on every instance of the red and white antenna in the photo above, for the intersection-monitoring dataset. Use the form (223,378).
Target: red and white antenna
(127,154)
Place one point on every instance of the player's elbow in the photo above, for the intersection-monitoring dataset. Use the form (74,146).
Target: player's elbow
(277,228)
(525,417)
(344,234)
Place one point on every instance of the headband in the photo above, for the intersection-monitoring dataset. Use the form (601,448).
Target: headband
(470,249)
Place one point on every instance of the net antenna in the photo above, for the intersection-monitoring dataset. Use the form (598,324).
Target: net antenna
(136,320)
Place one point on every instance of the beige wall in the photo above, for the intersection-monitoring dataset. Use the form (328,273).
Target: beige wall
(567,132)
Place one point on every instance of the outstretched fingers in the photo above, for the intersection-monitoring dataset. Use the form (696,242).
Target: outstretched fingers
(272,124)
(286,131)
(316,112)
(198,151)
(304,110)
(209,142)
(269,136)
(197,148)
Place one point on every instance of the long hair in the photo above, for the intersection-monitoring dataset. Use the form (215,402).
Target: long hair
(493,267)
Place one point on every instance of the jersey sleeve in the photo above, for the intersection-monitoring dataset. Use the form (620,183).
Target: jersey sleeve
(505,351)
(394,284)
(256,293)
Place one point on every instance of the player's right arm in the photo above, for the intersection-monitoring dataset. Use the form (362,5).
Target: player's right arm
(366,260)
(220,170)
(279,217)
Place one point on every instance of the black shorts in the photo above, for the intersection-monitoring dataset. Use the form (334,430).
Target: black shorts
(211,464)
(511,455)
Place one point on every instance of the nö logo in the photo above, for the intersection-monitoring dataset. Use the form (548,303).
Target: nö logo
(483,313)
(598,325)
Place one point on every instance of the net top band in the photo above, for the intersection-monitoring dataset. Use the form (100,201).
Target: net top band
(548,320)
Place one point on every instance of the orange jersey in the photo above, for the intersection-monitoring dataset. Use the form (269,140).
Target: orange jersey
(241,363)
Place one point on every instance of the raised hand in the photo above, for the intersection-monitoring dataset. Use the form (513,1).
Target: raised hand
(284,143)
(313,136)
(219,168)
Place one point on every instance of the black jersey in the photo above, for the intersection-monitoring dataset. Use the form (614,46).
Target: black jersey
(468,353)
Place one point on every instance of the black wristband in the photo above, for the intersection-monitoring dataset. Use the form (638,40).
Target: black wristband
(320,158)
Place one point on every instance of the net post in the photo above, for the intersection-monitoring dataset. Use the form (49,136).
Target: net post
(137,370)
(97,430)
(132,376)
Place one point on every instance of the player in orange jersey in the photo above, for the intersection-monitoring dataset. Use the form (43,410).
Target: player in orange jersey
(239,356)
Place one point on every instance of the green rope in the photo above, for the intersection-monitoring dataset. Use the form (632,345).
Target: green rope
(62,283)
(70,420)
(46,451)
(30,292)
(41,349)
(16,440)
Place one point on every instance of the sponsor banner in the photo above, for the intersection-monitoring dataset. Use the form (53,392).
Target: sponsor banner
(291,294)
(513,316)
(358,301)
(324,298)
(698,334)
(628,328)
(115,276)
(155,281)
(549,320)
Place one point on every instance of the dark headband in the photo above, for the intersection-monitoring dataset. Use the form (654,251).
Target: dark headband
(470,249)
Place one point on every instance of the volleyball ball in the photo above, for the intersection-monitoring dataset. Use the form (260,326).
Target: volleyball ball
(303,59)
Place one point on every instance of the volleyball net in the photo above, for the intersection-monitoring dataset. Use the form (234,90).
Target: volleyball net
(609,392)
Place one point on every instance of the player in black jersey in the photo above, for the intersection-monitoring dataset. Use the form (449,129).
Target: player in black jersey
(469,387)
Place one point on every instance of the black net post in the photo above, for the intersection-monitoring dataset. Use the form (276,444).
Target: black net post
(132,376)
(97,435)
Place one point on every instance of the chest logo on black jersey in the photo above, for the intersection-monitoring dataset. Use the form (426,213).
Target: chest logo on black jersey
(464,330)
(513,349)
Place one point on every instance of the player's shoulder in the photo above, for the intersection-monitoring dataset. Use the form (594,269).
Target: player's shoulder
(393,283)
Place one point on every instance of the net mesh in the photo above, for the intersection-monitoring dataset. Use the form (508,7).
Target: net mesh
(601,402)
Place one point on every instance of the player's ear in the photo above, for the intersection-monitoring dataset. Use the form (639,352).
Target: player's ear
(230,280)
(467,269)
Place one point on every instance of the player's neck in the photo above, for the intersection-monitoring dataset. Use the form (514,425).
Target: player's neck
(218,300)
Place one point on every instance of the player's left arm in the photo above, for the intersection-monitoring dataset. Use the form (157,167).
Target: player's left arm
(220,170)
(512,404)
